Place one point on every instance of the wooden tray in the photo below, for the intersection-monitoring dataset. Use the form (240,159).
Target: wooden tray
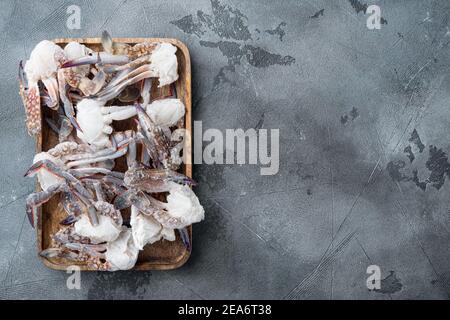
(162,255)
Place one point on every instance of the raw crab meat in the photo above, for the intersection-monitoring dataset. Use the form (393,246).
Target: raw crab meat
(166,112)
(146,230)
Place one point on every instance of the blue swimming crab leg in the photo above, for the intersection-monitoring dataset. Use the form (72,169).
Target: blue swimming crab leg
(58,253)
(78,189)
(102,207)
(132,154)
(146,92)
(132,65)
(90,171)
(135,76)
(149,147)
(103,155)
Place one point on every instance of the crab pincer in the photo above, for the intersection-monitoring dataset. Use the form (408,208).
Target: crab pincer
(35,200)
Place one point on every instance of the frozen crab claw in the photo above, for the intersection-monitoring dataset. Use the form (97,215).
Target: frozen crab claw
(62,127)
(81,160)
(79,56)
(72,206)
(68,234)
(152,220)
(115,53)
(95,118)
(75,208)
(105,208)
(181,209)
(119,146)
(162,147)
(35,200)
(68,183)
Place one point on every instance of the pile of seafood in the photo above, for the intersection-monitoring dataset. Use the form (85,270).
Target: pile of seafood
(88,91)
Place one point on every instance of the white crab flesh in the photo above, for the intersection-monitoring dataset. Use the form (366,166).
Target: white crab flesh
(164,63)
(166,112)
(42,64)
(122,253)
(45,178)
(183,203)
(94,120)
(106,230)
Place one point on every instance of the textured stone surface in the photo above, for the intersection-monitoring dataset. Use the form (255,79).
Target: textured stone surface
(363,119)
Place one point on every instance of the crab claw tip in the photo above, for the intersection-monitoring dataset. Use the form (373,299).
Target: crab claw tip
(32,170)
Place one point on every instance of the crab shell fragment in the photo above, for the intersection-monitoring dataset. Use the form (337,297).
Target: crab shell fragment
(164,63)
(183,203)
(146,230)
(166,112)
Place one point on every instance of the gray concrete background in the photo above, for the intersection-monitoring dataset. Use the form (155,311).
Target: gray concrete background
(363,119)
